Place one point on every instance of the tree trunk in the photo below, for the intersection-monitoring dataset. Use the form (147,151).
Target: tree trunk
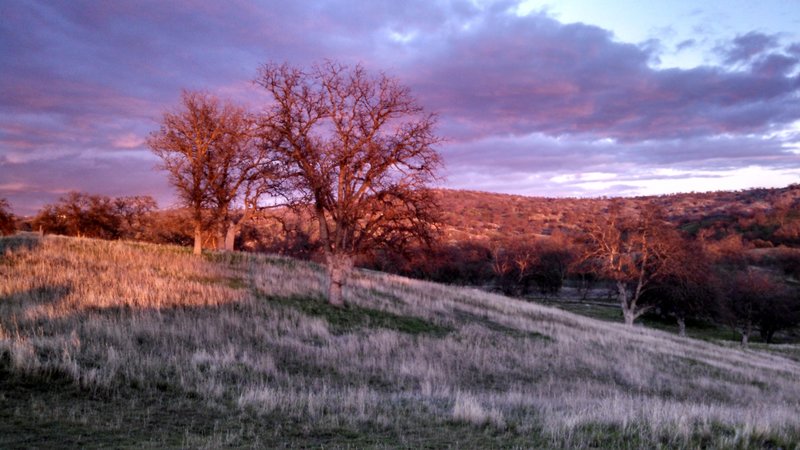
(227,236)
(339,266)
(746,334)
(627,311)
(198,239)
(230,236)
(681,326)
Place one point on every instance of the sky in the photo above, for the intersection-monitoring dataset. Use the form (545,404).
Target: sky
(542,98)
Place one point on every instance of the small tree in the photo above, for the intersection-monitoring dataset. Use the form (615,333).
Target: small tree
(7,222)
(204,148)
(780,312)
(632,250)
(756,299)
(359,150)
(690,290)
(503,267)
(554,258)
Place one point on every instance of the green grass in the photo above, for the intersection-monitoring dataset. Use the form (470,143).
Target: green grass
(500,328)
(612,313)
(351,318)
(609,313)
(231,282)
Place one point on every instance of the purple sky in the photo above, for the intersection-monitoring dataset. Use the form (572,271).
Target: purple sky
(530,100)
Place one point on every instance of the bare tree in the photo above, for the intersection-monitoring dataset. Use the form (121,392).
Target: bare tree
(135,215)
(199,145)
(633,250)
(755,298)
(239,169)
(690,289)
(503,266)
(260,180)
(359,150)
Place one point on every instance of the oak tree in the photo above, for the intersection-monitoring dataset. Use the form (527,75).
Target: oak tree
(633,250)
(754,299)
(204,146)
(359,150)
(689,289)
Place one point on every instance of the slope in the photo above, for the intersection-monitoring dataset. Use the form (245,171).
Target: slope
(123,344)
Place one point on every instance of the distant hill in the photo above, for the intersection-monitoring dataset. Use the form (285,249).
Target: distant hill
(769,215)
(121,344)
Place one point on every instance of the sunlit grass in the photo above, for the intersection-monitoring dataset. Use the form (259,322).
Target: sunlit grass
(238,349)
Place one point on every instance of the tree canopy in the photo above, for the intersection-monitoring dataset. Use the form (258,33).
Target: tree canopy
(360,150)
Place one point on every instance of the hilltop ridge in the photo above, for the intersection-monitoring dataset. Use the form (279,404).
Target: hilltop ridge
(475,214)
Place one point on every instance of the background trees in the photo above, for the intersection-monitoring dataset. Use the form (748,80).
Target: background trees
(80,214)
(7,221)
(359,149)
(135,215)
(690,290)
(98,216)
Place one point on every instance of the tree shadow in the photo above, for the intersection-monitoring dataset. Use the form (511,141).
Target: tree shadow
(19,241)
(29,302)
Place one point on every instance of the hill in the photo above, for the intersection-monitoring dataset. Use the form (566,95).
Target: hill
(755,213)
(117,344)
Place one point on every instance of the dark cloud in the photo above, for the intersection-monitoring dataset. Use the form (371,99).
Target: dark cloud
(683,45)
(746,47)
(542,154)
(533,74)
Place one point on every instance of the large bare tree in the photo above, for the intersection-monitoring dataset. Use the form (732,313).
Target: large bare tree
(359,150)
(633,250)
(205,147)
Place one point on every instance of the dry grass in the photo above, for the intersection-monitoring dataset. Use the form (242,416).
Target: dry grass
(244,342)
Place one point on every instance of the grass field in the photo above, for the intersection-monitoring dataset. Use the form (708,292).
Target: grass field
(115,344)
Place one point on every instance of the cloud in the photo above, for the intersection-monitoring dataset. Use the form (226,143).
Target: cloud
(685,44)
(747,46)
(30,184)
(521,99)
(518,75)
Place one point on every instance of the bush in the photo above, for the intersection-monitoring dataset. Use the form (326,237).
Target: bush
(7,221)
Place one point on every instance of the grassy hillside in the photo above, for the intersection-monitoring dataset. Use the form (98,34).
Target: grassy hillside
(114,344)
